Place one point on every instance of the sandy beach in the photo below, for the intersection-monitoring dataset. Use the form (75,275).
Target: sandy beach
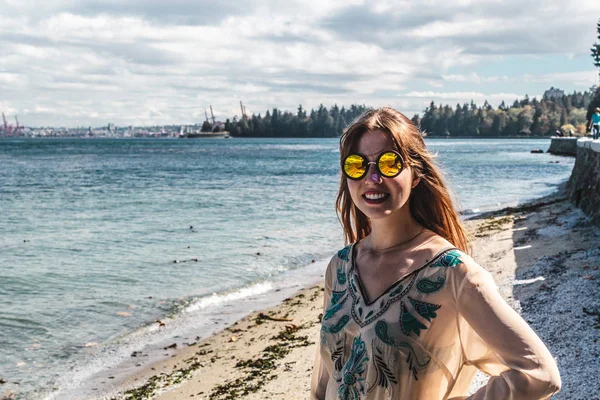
(544,257)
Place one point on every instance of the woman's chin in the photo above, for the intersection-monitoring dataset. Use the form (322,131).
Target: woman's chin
(382,211)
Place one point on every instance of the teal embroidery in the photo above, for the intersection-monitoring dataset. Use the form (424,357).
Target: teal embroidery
(336,296)
(337,302)
(341,276)
(381,330)
(425,310)
(353,285)
(337,327)
(408,323)
(428,286)
(396,291)
(379,306)
(332,310)
(414,364)
(352,379)
(450,259)
(344,253)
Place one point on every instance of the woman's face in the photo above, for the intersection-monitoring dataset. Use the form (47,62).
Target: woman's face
(375,195)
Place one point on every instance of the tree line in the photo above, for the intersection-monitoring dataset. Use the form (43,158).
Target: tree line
(276,123)
(525,117)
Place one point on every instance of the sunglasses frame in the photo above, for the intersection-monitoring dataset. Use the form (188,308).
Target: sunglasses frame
(376,162)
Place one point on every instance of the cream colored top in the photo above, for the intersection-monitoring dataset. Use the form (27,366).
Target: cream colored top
(426,336)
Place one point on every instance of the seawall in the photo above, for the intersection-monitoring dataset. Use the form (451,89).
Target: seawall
(564,146)
(584,184)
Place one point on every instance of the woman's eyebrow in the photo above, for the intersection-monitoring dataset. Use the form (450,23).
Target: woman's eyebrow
(376,154)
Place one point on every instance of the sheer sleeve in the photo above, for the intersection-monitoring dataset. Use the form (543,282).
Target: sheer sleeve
(320,374)
(497,341)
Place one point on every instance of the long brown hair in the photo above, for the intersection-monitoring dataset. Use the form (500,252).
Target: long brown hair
(430,201)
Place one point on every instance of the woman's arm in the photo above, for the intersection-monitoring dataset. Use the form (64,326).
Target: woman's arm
(320,375)
(501,343)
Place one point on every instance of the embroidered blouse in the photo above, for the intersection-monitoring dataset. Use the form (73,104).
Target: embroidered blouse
(426,336)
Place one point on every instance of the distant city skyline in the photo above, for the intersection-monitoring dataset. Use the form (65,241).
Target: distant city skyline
(149,62)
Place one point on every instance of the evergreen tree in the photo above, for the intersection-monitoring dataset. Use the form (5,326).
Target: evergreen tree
(301,113)
(564,117)
(536,128)
(596,50)
(416,120)
(499,124)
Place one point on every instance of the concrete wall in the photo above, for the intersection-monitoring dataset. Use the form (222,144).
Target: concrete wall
(584,184)
(566,146)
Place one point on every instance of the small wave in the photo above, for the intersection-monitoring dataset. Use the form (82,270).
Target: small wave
(218,299)
(470,211)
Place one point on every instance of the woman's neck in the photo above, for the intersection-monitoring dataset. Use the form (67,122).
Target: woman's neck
(393,232)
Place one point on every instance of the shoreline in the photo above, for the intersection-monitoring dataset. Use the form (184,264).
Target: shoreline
(269,353)
(119,364)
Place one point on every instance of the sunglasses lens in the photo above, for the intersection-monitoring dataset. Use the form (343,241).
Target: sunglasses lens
(354,166)
(390,164)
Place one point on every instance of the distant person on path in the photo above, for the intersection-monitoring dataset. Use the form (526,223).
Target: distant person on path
(595,123)
(408,314)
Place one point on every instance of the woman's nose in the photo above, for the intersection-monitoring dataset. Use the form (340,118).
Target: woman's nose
(373,174)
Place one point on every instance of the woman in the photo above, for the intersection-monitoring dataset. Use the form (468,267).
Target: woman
(595,123)
(408,314)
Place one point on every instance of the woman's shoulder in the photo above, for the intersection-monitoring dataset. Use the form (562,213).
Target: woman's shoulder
(461,272)
(433,246)
(443,253)
(343,254)
(338,265)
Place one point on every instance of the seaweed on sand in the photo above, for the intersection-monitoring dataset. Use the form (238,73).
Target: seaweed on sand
(259,371)
(492,224)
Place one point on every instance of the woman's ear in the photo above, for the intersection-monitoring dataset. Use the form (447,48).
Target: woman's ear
(415,182)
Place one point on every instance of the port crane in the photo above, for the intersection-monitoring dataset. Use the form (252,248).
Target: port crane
(8,129)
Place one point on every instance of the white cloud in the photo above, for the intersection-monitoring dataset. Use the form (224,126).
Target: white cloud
(462,97)
(579,78)
(473,77)
(134,61)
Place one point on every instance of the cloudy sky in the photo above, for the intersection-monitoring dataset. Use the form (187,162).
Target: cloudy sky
(144,62)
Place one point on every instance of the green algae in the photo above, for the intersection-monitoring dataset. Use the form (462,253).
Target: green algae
(259,371)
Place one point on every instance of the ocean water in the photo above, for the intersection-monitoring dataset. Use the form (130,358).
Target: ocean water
(101,238)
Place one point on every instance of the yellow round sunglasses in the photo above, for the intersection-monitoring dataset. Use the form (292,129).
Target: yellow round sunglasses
(389,164)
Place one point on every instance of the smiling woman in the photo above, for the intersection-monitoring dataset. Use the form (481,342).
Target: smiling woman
(408,314)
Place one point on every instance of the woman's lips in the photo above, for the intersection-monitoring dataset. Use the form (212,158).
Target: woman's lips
(375,197)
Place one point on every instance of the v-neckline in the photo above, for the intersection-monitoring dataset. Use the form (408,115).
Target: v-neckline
(396,282)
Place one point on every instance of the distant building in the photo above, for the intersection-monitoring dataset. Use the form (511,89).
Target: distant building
(553,93)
